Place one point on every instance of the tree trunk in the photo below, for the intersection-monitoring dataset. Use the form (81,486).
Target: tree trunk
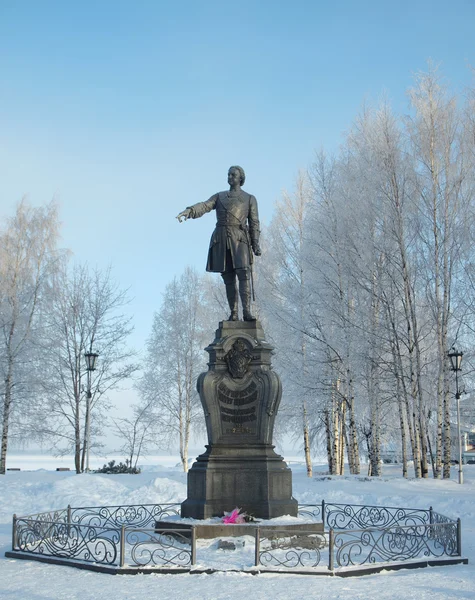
(306,441)
(335,435)
(375,445)
(184,458)
(439,444)
(6,418)
(369,448)
(355,451)
(342,437)
(431,454)
(410,428)
(402,426)
(417,451)
(328,436)
(403,439)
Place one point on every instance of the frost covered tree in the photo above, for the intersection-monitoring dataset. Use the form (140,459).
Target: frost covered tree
(28,259)
(138,433)
(175,357)
(387,259)
(441,172)
(85,315)
(282,283)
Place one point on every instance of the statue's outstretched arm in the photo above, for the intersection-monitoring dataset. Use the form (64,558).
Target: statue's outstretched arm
(198,210)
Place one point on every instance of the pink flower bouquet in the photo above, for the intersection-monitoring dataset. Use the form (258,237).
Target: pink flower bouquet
(234,517)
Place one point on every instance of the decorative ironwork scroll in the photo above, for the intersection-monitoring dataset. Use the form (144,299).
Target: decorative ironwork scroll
(358,516)
(137,515)
(314,511)
(439,531)
(53,516)
(151,548)
(437,518)
(85,543)
(368,546)
(290,551)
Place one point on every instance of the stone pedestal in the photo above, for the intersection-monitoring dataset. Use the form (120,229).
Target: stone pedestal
(240,394)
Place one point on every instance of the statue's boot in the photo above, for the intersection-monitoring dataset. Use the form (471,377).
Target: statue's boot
(231,294)
(245,293)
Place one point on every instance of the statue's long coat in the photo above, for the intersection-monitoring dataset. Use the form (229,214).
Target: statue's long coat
(237,228)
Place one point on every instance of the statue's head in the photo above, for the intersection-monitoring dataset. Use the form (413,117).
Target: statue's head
(241,171)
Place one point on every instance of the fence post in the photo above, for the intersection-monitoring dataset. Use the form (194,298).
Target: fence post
(323,513)
(330,551)
(431,517)
(122,547)
(459,537)
(14,544)
(257,558)
(69,519)
(193,545)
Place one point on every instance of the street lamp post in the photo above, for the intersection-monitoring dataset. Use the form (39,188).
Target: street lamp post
(456,365)
(91,358)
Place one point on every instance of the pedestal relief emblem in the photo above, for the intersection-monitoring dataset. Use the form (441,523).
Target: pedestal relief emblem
(238,359)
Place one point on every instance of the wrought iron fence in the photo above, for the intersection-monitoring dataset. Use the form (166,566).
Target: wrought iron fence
(63,540)
(135,515)
(99,535)
(56,516)
(282,549)
(361,516)
(436,517)
(356,535)
(354,547)
(153,548)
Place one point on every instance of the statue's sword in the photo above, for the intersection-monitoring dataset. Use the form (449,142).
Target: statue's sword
(252,284)
(251,260)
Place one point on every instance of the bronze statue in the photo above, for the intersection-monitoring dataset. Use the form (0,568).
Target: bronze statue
(234,240)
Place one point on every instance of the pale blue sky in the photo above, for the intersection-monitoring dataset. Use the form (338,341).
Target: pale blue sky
(128,111)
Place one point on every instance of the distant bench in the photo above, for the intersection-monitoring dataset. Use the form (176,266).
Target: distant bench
(13,469)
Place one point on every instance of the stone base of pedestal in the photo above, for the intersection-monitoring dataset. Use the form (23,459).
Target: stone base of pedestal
(254,478)
(209,531)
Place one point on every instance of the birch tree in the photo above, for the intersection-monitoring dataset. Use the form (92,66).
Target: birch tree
(175,357)
(28,258)
(440,174)
(332,314)
(387,264)
(286,304)
(85,316)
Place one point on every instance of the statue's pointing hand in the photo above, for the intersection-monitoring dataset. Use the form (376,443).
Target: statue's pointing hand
(186,214)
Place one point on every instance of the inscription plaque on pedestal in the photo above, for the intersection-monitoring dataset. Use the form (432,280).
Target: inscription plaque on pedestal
(240,394)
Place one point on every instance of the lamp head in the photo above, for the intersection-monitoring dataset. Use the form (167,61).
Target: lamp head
(91,358)
(455,357)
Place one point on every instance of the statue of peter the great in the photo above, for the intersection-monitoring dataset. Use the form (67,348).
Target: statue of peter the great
(234,240)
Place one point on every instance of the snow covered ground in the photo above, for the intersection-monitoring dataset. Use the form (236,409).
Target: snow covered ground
(42,488)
